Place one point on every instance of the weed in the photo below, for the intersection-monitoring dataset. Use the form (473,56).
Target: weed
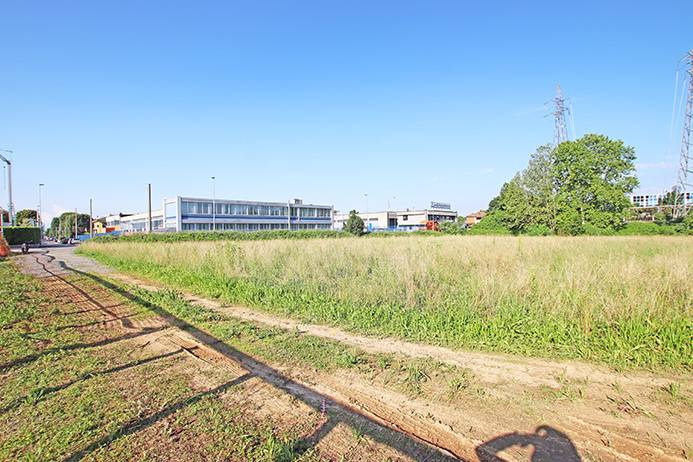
(415,376)
(459,383)
(673,389)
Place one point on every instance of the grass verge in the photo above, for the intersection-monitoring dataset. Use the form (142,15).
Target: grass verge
(69,393)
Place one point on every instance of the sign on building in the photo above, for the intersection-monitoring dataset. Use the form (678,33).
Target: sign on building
(440,205)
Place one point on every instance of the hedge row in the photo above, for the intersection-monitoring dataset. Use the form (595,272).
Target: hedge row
(15,235)
(223,236)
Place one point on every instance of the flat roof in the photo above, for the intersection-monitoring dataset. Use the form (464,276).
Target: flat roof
(236,201)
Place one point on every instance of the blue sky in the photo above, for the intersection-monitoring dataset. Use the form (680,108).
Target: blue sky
(325,101)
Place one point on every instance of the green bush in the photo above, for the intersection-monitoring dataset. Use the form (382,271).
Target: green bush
(354,224)
(490,224)
(592,230)
(15,235)
(538,230)
(223,236)
(451,227)
(641,228)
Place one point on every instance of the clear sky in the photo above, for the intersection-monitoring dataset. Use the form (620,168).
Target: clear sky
(325,101)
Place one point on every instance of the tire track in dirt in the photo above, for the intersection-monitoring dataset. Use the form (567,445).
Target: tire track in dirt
(403,438)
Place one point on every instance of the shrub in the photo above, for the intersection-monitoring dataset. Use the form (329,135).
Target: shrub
(640,228)
(490,224)
(593,230)
(451,227)
(19,234)
(538,230)
(354,224)
(222,236)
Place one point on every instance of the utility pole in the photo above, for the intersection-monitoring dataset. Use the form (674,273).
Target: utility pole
(10,205)
(76,216)
(214,204)
(149,206)
(91,219)
(685,187)
(39,214)
(560,133)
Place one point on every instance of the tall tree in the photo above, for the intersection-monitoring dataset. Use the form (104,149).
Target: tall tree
(513,206)
(26,217)
(529,198)
(54,229)
(591,177)
(64,225)
(354,224)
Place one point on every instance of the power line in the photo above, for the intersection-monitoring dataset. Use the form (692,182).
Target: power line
(560,133)
(682,201)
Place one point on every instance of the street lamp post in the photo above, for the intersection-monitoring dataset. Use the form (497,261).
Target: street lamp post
(367,218)
(10,205)
(214,204)
(39,213)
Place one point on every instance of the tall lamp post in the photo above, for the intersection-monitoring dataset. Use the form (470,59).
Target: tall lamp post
(39,214)
(10,205)
(214,204)
(368,225)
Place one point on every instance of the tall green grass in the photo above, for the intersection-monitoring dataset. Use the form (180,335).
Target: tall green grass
(624,301)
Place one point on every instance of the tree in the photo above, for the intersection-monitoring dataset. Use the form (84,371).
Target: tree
(513,206)
(591,177)
(64,225)
(537,181)
(528,199)
(354,224)
(671,197)
(55,227)
(26,216)
(580,183)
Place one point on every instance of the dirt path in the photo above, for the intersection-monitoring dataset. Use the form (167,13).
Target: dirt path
(564,410)
(270,391)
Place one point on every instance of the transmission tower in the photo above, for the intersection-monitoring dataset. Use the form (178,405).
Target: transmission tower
(682,202)
(560,133)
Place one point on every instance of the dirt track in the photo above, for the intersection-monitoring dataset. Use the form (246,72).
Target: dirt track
(612,417)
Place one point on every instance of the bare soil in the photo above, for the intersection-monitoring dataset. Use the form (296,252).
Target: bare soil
(513,408)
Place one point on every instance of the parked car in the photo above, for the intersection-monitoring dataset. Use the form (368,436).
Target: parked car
(64,240)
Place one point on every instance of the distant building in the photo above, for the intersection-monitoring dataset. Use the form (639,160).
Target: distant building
(642,200)
(197,214)
(113,221)
(99,225)
(402,220)
(139,222)
(474,218)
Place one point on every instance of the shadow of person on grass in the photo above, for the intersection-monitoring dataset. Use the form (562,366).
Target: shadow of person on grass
(550,445)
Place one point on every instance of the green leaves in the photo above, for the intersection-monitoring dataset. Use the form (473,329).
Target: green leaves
(354,224)
(577,185)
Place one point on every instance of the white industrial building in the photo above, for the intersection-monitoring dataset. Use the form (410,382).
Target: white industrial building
(200,214)
(400,220)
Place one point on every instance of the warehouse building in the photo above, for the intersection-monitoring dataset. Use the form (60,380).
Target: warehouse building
(402,220)
(196,214)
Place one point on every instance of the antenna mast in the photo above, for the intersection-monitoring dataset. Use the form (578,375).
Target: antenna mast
(560,133)
(683,200)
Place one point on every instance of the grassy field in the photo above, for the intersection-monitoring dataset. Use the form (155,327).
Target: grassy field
(624,301)
(68,393)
